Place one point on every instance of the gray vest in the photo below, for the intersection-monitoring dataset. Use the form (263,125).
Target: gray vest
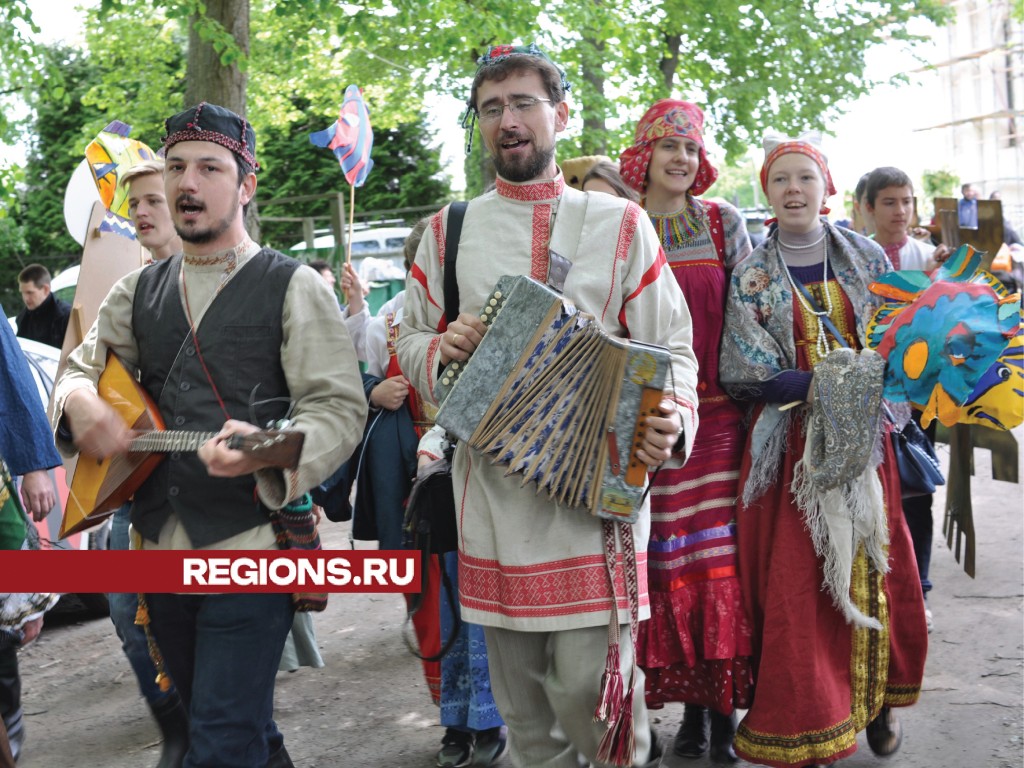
(240,341)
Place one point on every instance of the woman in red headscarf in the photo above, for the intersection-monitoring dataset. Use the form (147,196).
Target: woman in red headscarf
(696,646)
(826,563)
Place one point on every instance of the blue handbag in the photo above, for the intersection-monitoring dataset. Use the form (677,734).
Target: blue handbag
(920,472)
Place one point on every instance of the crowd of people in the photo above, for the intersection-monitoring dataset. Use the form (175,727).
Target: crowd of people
(748,583)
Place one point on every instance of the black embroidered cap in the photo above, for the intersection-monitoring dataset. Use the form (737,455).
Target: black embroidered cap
(209,122)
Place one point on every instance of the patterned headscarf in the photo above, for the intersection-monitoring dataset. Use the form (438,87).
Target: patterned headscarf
(667,117)
(808,143)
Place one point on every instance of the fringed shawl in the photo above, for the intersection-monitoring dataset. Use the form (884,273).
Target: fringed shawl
(835,483)
(758,342)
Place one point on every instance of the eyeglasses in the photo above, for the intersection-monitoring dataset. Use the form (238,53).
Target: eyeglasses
(520,107)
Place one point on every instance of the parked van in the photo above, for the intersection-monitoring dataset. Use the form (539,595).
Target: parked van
(378,241)
(376,252)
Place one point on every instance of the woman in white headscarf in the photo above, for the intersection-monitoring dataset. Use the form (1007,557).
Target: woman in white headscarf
(826,564)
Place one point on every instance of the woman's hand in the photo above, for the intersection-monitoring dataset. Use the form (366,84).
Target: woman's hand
(390,394)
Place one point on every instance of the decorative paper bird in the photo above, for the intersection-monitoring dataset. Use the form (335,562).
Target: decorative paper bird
(941,333)
(109,155)
(350,137)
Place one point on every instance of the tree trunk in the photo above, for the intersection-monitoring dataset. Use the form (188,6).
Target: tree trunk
(208,79)
(595,138)
(670,63)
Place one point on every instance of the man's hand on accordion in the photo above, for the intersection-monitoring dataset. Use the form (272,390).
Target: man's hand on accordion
(462,338)
(661,436)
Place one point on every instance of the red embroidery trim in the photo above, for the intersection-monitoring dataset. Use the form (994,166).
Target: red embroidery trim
(541,237)
(531,193)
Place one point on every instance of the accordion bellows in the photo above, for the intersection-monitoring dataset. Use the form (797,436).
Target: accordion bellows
(552,397)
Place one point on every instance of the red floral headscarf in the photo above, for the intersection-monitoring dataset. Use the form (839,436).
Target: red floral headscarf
(667,117)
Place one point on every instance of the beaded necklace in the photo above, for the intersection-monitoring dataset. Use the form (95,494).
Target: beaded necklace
(822,340)
(681,228)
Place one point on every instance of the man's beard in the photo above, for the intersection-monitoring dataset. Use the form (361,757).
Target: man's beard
(201,236)
(527,168)
(190,234)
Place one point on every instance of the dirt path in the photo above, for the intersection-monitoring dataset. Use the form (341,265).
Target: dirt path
(369,706)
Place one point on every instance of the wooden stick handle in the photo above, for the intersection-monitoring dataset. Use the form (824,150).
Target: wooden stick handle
(351,222)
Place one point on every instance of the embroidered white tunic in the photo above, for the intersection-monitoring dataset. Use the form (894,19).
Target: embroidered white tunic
(526,563)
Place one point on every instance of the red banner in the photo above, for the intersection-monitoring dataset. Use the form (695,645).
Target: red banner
(210,571)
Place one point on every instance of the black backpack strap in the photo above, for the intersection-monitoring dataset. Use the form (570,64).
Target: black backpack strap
(456,213)
(452,235)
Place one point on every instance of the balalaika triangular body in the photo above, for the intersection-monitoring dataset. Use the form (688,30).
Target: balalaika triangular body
(100,486)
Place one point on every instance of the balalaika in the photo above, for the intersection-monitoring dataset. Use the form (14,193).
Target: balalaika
(551,396)
(100,486)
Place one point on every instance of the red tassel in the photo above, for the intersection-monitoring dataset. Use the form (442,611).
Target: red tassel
(618,744)
(610,704)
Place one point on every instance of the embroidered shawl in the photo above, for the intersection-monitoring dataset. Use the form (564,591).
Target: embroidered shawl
(758,341)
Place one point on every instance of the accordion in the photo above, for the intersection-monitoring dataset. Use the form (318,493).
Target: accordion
(555,399)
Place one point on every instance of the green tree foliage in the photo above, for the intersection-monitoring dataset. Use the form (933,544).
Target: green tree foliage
(406,173)
(24,71)
(406,170)
(138,55)
(13,247)
(940,183)
(738,184)
(775,63)
(56,148)
(780,63)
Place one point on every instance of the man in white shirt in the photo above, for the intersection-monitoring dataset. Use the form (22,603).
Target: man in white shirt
(533,573)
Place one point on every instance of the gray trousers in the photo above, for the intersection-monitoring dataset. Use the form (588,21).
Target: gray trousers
(547,684)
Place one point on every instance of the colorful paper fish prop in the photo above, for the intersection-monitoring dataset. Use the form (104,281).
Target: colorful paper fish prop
(109,155)
(941,333)
(350,138)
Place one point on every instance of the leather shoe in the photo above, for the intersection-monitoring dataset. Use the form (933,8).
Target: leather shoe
(171,717)
(723,730)
(885,734)
(692,737)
